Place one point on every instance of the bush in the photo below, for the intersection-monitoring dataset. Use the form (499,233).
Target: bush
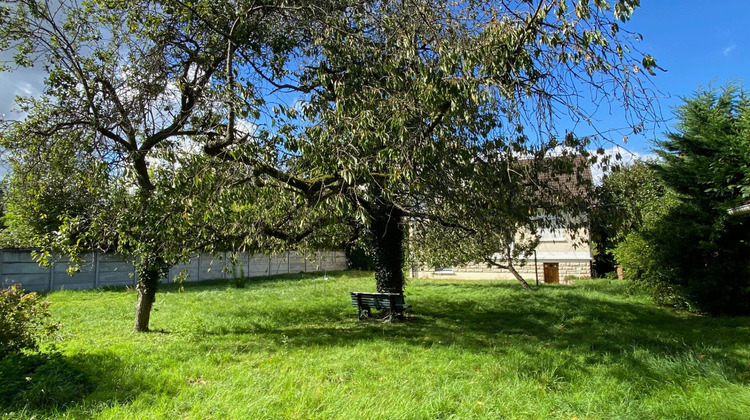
(24,320)
(358,258)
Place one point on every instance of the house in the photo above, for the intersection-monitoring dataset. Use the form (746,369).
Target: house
(741,210)
(560,255)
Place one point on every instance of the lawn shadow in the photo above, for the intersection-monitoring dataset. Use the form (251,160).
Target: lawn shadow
(40,385)
(643,342)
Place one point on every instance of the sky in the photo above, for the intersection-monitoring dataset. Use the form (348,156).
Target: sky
(698,43)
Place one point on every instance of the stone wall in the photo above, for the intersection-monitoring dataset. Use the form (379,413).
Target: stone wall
(566,270)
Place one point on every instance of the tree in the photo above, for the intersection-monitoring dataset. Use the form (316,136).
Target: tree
(128,83)
(507,213)
(625,198)
(690,251)
(318,121)
(442,116)
(41,197)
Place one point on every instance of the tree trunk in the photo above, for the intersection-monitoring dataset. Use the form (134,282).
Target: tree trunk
(149,276)
(388,241)
(512,270)
(518,277)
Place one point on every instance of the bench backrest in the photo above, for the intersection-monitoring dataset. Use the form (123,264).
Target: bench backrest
(378,300)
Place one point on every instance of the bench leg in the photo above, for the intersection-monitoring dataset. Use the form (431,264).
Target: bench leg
(363,313)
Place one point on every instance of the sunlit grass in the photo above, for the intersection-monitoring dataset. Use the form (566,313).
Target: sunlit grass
(291,347)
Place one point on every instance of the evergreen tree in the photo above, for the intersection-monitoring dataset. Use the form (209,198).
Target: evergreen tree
(690,250)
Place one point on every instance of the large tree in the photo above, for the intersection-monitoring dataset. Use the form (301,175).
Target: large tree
(442,116)
(129,84)
(688,249)
(624,201)
(314,118)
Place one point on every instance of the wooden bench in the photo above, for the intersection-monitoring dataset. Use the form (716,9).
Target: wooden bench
(365,302)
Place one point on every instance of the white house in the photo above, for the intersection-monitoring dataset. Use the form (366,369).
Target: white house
(560,255)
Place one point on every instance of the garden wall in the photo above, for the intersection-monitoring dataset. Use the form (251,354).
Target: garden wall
(102,270)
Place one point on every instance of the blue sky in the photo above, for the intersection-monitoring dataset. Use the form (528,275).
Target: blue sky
(699,43)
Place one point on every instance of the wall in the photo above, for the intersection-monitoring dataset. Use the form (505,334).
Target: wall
(102,270)
(571,252)
(569,268)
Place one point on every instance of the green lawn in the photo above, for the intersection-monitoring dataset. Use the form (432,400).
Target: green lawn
(291,347)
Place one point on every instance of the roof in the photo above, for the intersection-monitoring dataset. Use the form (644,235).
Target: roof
(568,176)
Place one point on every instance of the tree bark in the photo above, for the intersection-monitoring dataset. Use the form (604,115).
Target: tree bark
(388,241)
(512,270)
(149,276)
(518,277)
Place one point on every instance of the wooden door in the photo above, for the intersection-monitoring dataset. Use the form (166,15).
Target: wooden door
(551,273)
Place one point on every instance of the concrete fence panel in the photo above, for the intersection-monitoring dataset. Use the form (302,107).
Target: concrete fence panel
(103,270)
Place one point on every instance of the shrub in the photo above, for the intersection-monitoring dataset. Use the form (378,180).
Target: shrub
(238,275)
(24,320)
(358,257)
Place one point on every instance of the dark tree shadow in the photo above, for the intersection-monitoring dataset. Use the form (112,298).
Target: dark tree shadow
(600,331)
(51,384)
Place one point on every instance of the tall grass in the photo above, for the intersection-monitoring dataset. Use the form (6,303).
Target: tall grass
(291,347)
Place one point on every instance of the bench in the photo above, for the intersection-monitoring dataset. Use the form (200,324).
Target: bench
(365,302)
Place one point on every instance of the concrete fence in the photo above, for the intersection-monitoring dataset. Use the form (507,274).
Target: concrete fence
(102,270)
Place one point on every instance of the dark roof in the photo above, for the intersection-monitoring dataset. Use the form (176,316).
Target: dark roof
(563,175)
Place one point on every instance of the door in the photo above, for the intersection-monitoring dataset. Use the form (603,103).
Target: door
(551,273)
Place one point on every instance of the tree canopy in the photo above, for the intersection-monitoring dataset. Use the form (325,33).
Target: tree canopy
(263,125)
(623,202)
(689,250)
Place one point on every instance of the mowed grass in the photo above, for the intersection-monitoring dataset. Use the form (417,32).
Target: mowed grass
(290,347)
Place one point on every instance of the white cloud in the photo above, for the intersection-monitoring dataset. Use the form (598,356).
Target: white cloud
(728,50)
(21,81)
(245,127)
(626,158)
(26,89)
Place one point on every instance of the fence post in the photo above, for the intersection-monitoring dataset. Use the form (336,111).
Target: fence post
(200,257)
(52,277)
(96,269)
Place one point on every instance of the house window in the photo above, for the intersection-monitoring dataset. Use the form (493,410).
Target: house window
(552,235)
(550,227)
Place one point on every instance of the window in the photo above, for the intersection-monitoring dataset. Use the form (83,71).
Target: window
(552,235)
(553,232)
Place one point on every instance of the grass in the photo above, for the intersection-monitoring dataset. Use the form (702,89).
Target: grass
(291,347)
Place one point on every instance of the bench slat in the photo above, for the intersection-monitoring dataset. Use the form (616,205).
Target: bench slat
(362,300)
